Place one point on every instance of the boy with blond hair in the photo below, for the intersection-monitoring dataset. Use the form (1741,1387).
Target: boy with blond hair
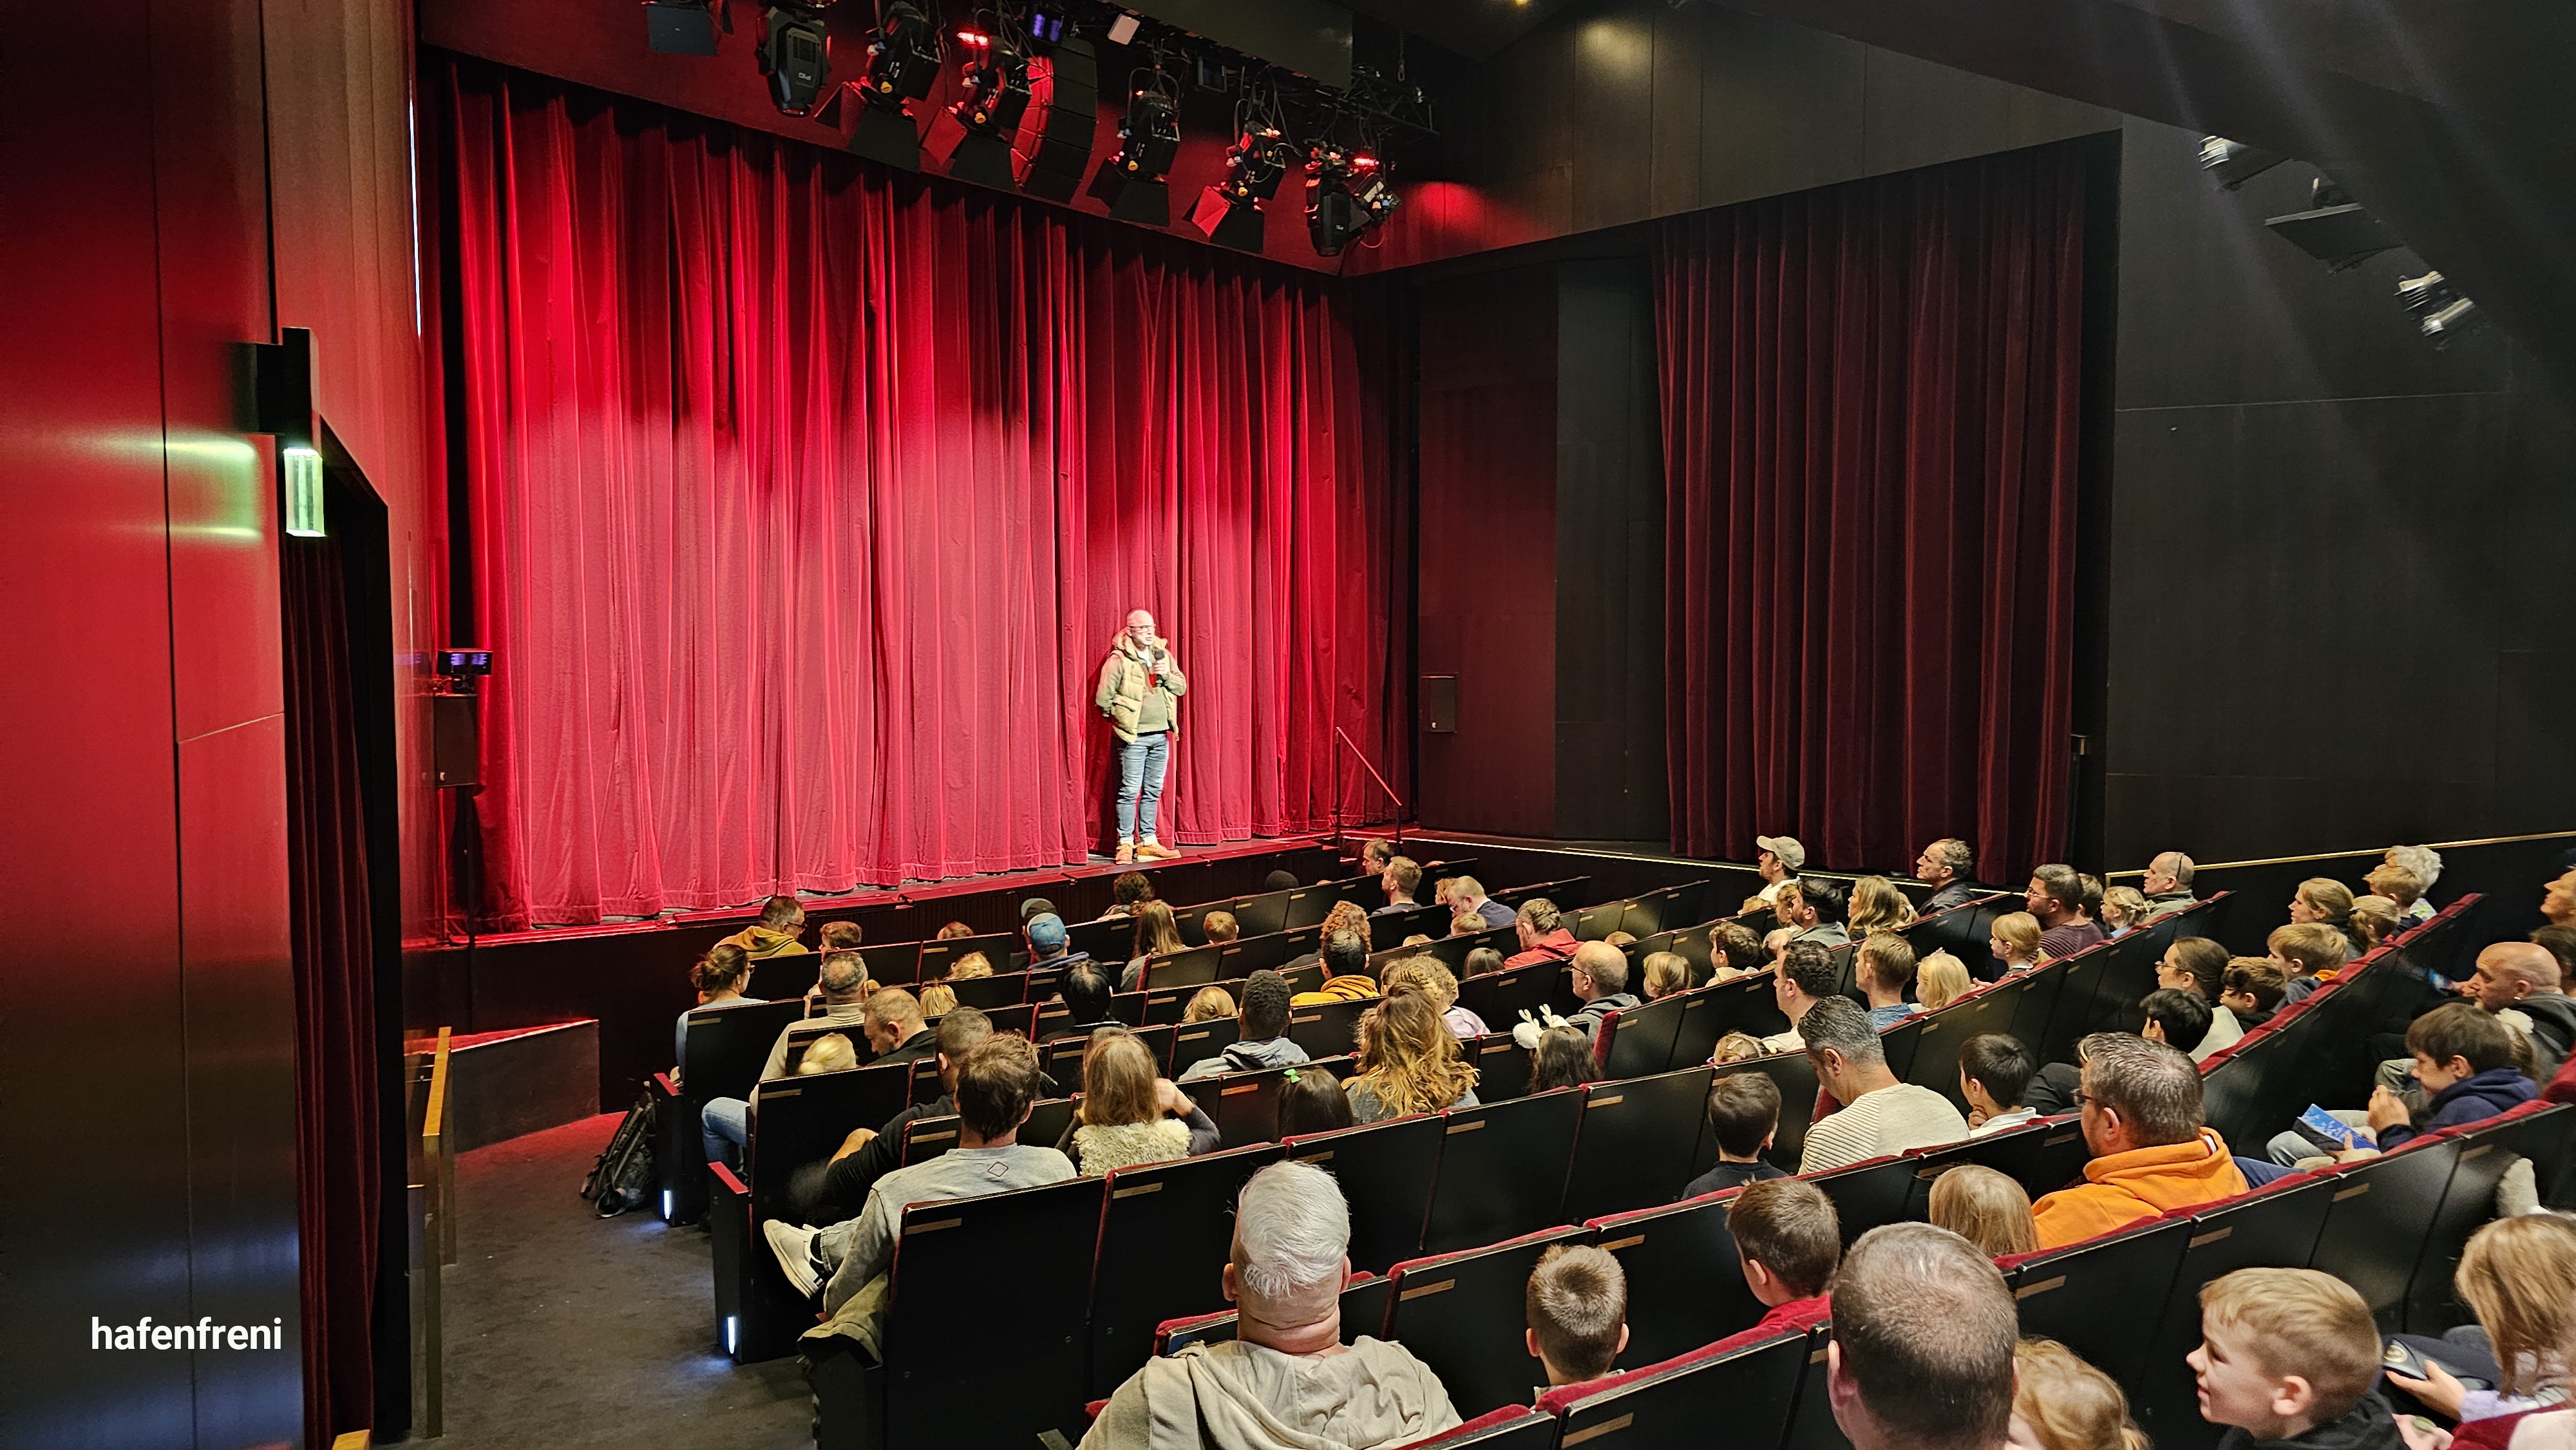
(2287,1357)
(1577,1307)
(2309,954)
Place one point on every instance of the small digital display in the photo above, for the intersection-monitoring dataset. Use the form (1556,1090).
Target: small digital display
(465,662)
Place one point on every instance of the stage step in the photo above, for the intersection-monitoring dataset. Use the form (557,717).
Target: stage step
(504,1084)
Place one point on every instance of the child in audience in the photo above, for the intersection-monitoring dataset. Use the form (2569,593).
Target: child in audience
(2253,989)
(938,1000)
(1667,973)
(2178,1019)
(1621,938)
(2518,1276)
(1577,1307)
(1789,1242)
(2310,954)
(1994,1073)
(1737,1047)
(1733,950)
(1467,923)
(2400,886)
(830,1052)
(1563,1058)
(2124,910)
(1312,1102)
(1123,1117)
(2374,920)
(2288,1357)
(1208,1004)
(2464,1058)
(2015,942)
(1940,980)
(2062,1403)
(1481,961)
(1431,977)
(973,964)
(953,930)
(1744,1112)
(1985,1208)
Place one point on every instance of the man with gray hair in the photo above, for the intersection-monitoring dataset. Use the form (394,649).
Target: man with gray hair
(2152,1153)
(1922,1351)
(1879,1115)
(1945,866)
(1285,1381)
(1140,692)
(2168,886)
(1600,983)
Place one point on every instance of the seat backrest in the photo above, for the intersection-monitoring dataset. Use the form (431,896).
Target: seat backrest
(891,964)
(1062,1061)
(927,1138)
(1164,1241)
(801,1120)
(1746,1004)
(1387,930)
(1749,1389)
(1685,1282)
(2043,1156)
(1502,1170)
(2274,1228)
(1935,1060)
(2468,1204)
(1502,1066)
(1327,1029)
(1386,1171)
(1196,1042)
(1463,1314)
(1514,1427)
(1249,954)
(1795,1076)
(1867,1195)
(1637,1041)
(1593,923)
(2375,1220)
(1568,893)
(2100,1298)
(1006,989)
(1634,1144)
(727,1046)
(1246,1104)
(1811,1417)
(1501,997)
(1897,1042)
(936,957)
(1195,967)
(960,1258)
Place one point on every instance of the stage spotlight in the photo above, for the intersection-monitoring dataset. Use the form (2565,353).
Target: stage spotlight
(2334,229)
(1229,213)
(2441,313)
(2233,163)
(1347,193)
(1047,27)
(1131,181)
(796,54)
(903,64)
(973,139)
(680,27)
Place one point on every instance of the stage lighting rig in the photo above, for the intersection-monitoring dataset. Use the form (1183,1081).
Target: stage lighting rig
(1229,213)
(973,139)
(903,64)
(795,53)
(2335,229)
(681,27)
(1132,181)
(1347,194)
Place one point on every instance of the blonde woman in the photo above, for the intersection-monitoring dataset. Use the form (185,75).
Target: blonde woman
(1411,1063)
(1667,974)
(1737,1047)
(1431,977)
(938,1000)
(2326,900)
(2062,1403)
(1157,935)
(1876,905)
(2015,944)
(1985,1208)
(2124,910)
(1940,980)
(973,964)
(1125,1117)
(830,1052)
(1210,1004)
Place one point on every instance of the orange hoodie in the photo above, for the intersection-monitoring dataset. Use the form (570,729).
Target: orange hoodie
(2120,1189)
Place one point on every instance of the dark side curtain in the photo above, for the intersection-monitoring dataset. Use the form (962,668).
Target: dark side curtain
(807,497)
(339,1153)
(1869,410)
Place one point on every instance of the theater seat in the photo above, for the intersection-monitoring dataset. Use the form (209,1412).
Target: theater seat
(1638,1041)
(2063,1294)
(2273,1227)
(2468,1204)
(2376,1216)
(1747,1383)
(1633,1145)
(1385,1171)
(2043,1156)
(1685,1282)
(1502,1170)
(1463,1314)
(1502,1067)
(1327,1029)
(1513,1427)
(1811,1415)
(1162,1249)
(927,1138)
(1200,1041)
(1867,1194)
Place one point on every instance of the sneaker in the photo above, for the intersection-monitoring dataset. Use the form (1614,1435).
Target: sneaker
(1126,853)
(1152,850)
(795,1249)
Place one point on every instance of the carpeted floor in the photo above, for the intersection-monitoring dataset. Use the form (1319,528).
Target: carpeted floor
(565,1330)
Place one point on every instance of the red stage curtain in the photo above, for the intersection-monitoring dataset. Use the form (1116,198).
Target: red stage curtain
(1869,412)
(807,497)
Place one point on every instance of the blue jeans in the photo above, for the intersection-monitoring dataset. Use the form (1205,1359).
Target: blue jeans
(1141,763)
(724,1125)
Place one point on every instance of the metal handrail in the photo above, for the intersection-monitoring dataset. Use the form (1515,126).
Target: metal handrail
(437,1240)
(1344,737)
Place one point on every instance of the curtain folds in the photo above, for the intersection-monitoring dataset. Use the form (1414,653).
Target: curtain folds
(1869,408)
(807,498)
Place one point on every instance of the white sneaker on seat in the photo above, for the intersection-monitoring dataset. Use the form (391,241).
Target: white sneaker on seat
(795,1249)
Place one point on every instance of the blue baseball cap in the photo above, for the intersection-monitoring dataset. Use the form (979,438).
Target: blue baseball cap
(1046,931)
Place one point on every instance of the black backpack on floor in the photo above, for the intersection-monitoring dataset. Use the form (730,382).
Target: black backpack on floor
(623,1177)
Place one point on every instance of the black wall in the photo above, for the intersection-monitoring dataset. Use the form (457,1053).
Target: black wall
(2336,555)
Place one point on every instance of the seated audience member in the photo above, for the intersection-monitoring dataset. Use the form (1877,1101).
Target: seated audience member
(2324,901)
(843,986)
(828,1192)
(1481,961)
(2062,1403)
(1946,866)
(1031,906)
(1940,980)
(1345,957)
(2403,888)
(1544,935)
(2253,988)
(777,933)
(1466,893)
(2178,1019)
(1220,927)
(1738,1047)
(1347,916)
(2464,1058)
(1130,1114)
(2518,1276)
(891,1021)
(1806,976)
(2124,910)
(2374,922)
(1440,893)
(1086,997)
(1743,1115)
(1432,977)
(1312,1102)
(1734,951)
(1285,1381)
(2558,901)
(1667,974)
(1401,878)
(2425,865)
(1375,855)
(1812,910)
(938,1000)
(2088,902)
(1923,1337)
(830,1052)
(1620,939)
(1047,940)
(1208,1004)
(1879,1115)
(2055,898)
(2168,885)
(1131,889)
(2151,1151)
(1467,923)
(1600,973)
(2310,954)
(2197,964)
(1418,939)
(1777,860)
(2288,1357)
(721,977)
(1788,1241)
(1287,881)
(1562,1058)
(1876,905)
(1411,1064)
(1577,1310)
(848,1261)
(1984,1207)
(2560,943)
(1994,1071)
(842,936)
(973,964)
(1157,935)
(1262,1032)
(1884,971)
(2014,942)
(951,932)
(2518,981)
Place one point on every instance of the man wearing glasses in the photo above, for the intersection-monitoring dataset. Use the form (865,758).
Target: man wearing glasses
(2151,1151)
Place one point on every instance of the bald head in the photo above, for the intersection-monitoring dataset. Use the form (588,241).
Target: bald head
(2528,966)
(2168,872)
(1607,968)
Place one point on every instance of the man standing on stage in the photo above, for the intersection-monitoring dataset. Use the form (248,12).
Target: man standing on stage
(1140,691)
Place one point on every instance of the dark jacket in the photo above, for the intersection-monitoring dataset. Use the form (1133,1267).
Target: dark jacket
(1957,893)
(2366,1426)
(2553,1028)
(1730,1175)
(2494,1091)
(842,1189)
(1589,1016)
(919,1045)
